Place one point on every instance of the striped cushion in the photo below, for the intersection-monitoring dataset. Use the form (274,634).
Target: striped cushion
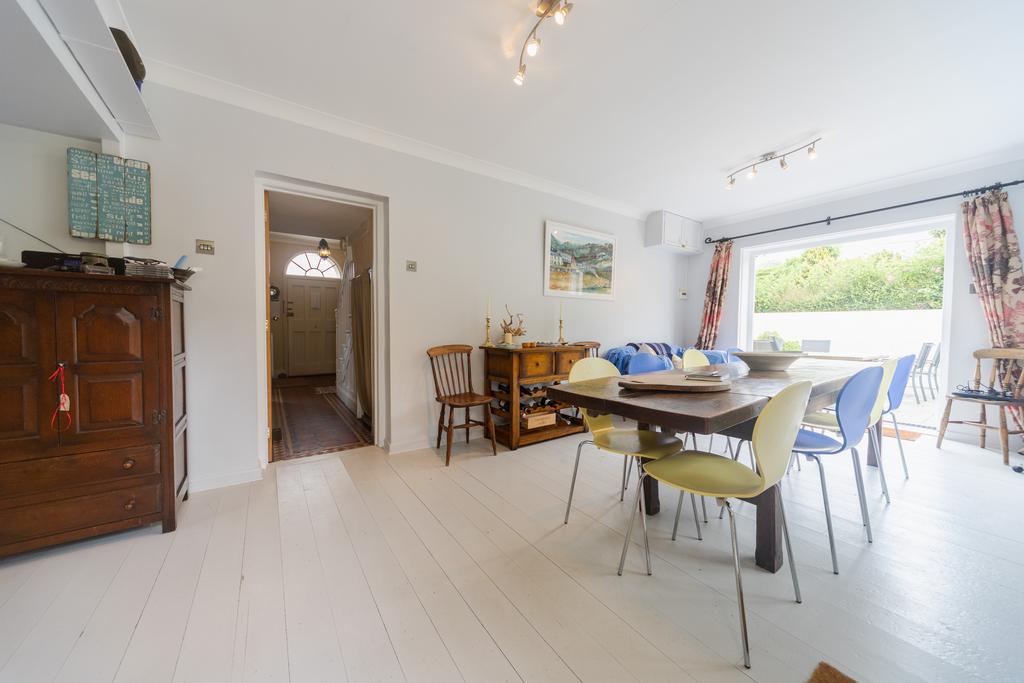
(660,348)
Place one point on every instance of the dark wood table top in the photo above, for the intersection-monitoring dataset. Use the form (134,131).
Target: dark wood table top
(708,413)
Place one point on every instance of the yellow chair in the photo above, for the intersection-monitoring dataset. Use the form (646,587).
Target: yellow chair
(829,422)
(631,443)
(708,474)
(693,359)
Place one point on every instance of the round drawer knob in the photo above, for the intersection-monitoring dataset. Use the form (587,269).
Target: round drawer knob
(130,505)
(128,463)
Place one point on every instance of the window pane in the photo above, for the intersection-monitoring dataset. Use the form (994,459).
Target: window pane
(294,269)
(332,272)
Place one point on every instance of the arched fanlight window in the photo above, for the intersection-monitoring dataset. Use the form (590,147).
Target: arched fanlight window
(311,264)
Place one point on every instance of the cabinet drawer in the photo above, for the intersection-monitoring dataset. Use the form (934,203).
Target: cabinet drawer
(48,474)
(33,521)
(566,360)
(536,364)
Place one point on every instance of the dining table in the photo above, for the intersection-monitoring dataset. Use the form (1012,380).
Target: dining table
(732,412)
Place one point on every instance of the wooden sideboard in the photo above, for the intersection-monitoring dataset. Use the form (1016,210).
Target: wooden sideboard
(120,461)
(523,373)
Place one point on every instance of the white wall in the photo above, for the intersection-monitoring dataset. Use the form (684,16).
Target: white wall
(471,235)
(33,191)
(967,325)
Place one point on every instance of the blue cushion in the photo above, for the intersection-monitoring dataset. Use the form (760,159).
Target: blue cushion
(813,442)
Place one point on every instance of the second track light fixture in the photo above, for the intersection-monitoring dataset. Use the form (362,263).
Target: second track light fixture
(751,168)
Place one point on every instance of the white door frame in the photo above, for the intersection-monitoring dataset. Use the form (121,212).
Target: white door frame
(379,288)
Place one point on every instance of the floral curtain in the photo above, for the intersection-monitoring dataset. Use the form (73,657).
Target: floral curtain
(714,297)
(994,254)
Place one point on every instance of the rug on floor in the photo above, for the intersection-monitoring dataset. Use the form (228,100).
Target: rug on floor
(314,421)
(825,673)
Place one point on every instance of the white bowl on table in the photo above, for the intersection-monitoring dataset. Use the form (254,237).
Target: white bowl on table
(772,361)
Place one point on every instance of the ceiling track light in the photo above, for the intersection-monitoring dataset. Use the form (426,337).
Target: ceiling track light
(751,168)
(546,9)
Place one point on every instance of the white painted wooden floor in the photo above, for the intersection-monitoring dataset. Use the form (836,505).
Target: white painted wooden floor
(363,567)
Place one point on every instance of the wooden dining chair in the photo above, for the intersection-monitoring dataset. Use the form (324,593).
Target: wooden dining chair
(453,389)
(1002,391)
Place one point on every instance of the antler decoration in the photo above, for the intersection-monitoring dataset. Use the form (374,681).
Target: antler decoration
(514,325)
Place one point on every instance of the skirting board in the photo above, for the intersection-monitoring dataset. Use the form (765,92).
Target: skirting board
(405,447)
(197,484)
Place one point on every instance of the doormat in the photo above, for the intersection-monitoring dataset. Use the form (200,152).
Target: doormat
(829,674)
(313,423)
(905,434)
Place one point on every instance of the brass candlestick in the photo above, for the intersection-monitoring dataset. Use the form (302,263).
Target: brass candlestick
(561,332)
(487,335)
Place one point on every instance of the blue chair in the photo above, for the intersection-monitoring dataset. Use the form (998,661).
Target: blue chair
(641,363)
(731,353)
(904,367)
(853,412)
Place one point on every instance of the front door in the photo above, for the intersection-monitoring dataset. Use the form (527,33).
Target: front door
(311,305)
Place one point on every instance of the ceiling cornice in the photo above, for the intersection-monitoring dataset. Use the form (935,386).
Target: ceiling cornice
(230,93)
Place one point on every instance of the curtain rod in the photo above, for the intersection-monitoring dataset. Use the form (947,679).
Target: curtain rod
(828,219)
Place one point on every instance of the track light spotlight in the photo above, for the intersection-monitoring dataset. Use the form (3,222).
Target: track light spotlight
(812,153)
(730,183)
(562,13)
(783,164)
(532,45)
(752,173)
(520,75)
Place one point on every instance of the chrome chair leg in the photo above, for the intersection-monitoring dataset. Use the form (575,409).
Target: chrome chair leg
(696,522)
(732,454)
(739,584)
(873,435)
(643,515)
(860,493)
(572,485)
(703,509)
(679,509)
(828,517)
(789,546)
(625,477)
(899,442)
(638,506)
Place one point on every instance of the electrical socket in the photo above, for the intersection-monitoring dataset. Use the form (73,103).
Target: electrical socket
(204,247)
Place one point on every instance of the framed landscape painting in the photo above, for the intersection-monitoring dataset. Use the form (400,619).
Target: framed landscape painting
(578,263)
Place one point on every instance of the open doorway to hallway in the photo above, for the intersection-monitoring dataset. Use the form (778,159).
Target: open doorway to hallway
(319,263)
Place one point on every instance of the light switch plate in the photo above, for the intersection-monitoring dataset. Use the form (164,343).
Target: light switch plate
(410,266)
(204,247)
(682,294)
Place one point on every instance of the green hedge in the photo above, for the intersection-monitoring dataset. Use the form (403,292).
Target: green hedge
(818,280)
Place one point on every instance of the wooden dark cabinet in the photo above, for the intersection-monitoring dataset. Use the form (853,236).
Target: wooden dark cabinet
(121,460)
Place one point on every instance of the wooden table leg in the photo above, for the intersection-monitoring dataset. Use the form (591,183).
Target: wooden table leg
(768,554)
(872,455)
(652,501)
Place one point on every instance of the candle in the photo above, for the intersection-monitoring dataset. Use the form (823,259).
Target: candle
(560,316)
(488,307)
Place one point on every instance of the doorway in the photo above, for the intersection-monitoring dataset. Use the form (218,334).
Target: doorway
(875,291)
(321,386)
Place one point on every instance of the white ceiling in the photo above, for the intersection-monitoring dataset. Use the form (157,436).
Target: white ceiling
(297,215)
(648,103)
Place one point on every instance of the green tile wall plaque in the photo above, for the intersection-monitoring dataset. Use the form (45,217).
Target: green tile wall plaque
(138,228)
(82,193)
(110,185)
